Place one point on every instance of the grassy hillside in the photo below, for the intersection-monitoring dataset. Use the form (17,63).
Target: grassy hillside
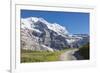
(39,56)
(85,51)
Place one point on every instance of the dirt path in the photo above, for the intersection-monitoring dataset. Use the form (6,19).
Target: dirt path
(68,55)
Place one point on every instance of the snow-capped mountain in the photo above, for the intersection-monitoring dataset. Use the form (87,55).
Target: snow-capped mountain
(31,21)
(38,34)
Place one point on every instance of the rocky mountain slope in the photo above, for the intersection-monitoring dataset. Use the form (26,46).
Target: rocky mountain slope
(38,34)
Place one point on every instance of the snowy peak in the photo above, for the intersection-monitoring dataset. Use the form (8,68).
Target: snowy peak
(30,23)
(58,28)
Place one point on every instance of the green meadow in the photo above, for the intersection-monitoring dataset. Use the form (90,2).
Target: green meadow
(40,56)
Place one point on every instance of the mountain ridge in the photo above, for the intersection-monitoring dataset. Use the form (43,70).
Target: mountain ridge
(42,35)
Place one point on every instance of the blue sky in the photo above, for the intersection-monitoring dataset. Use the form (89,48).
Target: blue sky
(75,22)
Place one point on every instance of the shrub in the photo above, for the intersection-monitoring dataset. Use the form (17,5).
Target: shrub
(85,51)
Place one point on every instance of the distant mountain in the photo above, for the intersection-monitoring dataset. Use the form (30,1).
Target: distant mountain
(38,34)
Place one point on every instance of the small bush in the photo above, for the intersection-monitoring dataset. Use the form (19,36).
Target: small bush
(85,51)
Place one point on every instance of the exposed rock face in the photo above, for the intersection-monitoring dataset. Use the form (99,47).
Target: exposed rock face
(38,34)
(76,41)
(28,41)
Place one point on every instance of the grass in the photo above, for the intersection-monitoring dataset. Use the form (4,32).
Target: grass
(40,56)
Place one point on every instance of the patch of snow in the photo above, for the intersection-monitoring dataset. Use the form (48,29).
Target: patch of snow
(37,30)
(48,48)
(35,19)
(25,24)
